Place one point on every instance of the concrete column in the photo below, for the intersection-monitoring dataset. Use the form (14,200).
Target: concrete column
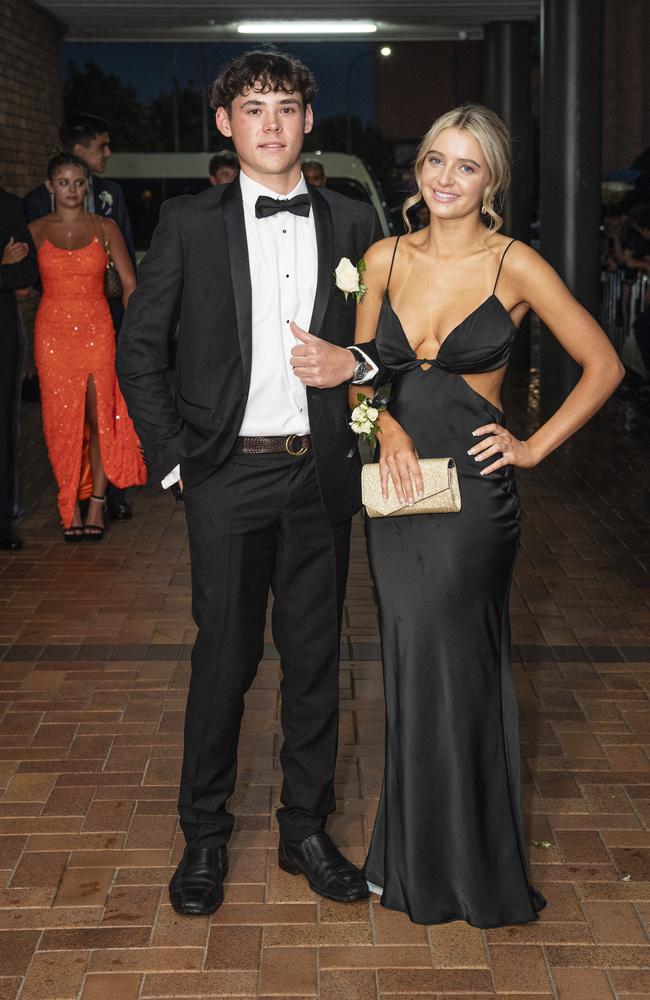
(507,90)
(570,169)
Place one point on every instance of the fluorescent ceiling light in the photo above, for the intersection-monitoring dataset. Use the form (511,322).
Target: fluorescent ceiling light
(307,28)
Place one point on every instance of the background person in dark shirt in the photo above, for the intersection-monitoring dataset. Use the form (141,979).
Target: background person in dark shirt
(224,168)
(314,173)
(636,241)
(17,270)
(636,244)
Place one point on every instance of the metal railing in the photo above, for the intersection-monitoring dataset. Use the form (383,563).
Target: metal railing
(621,303)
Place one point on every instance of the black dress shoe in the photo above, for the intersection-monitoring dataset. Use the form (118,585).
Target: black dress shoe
(327,871)
(196,888)
(9,540)
(120,511)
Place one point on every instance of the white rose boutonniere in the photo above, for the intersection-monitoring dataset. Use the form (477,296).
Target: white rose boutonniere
(348,278)
(106,199)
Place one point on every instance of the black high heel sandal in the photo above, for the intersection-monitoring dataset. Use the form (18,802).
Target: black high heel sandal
(73,534)
(94,532)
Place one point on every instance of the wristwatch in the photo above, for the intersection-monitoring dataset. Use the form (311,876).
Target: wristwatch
(361,368)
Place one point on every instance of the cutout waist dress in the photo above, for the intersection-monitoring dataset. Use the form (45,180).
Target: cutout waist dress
(448,841)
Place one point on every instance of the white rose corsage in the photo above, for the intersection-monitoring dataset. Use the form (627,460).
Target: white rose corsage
(365,416)
(106,198)
(348,278)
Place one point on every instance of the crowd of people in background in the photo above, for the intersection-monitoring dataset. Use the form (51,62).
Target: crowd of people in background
(74,211)
(69,242)
(626,251)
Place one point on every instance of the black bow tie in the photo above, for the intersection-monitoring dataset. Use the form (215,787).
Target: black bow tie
(265,206)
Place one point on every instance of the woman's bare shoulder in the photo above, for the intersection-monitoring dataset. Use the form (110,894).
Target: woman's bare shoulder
(521,258)
(38,229)
(380,251)
(110,225)
(38,225)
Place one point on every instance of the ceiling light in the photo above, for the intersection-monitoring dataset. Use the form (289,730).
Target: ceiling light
(385,50)
(307,28)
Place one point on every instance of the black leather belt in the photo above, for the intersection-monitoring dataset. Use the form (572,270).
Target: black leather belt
(293,444)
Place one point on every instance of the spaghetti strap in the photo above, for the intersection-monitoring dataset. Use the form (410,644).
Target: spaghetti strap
(496,281)
(392,261)
(101,235)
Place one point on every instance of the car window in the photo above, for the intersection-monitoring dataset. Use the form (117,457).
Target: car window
(348,187)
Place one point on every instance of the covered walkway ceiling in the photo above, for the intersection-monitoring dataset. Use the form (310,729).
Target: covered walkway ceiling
(207,20)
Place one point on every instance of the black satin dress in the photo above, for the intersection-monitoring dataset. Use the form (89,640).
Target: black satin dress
(448,842)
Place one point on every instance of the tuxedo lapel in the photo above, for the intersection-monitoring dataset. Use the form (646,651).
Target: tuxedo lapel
(233,217)
(325,244)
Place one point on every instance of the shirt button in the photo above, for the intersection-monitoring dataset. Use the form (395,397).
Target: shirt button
(287,275)
(284,230)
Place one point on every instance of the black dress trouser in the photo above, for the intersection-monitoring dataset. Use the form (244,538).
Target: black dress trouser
(9,361)
(255,524)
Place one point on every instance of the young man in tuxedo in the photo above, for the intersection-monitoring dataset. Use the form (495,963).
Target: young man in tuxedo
(268,468)
(87,136)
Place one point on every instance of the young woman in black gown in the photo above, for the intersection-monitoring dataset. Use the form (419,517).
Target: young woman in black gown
(444,305)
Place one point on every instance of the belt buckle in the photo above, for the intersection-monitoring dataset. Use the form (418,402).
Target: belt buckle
(288,446)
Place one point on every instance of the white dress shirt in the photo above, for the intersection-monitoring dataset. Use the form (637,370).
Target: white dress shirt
(283,262)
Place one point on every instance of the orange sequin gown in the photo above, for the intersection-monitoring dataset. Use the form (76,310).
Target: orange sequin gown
(74,340)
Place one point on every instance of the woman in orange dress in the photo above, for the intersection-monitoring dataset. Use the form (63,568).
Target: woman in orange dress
(75,349)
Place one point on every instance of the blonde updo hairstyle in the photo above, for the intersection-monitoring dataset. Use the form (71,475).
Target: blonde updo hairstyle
(494,140)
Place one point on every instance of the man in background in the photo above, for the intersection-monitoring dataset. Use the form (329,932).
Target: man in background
(224,168)
(314,173)
(87,136)
(17,270)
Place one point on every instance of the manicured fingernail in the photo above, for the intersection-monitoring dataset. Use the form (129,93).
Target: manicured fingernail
(482,472)
(420,493)
(471,451)
(477,458)
(474,433)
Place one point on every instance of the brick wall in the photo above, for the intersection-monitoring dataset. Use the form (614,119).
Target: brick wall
(30,92)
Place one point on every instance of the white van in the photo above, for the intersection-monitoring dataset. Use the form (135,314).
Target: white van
(149,178)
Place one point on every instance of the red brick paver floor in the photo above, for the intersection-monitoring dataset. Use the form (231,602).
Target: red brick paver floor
(94,660)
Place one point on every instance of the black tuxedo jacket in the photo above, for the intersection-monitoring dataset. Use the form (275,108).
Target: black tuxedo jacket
(21,275)
(197,273)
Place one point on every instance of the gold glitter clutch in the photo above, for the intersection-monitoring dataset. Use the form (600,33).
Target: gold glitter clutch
(441,490)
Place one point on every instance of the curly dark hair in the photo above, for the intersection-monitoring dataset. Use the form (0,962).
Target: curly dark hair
(60,160)
(270,69)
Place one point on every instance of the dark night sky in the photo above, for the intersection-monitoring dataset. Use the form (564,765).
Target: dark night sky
(148,66)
